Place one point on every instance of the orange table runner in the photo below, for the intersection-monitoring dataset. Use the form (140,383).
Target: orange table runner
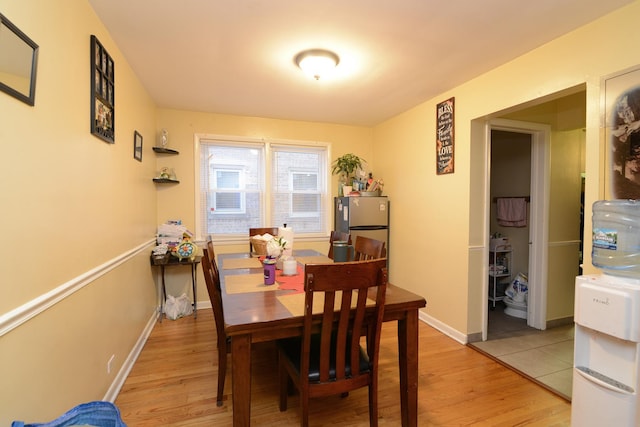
(254,282)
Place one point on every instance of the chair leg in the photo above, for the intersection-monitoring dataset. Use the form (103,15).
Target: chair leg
(373,404)
(222,372)
(304,407)
(284,383)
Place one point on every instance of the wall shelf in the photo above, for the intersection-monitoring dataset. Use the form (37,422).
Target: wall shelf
(163,150)
(159,180)
(165,181)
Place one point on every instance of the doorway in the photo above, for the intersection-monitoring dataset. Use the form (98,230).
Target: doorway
(510,189)
(556,124)
(557,180)
(556,127)
(519,166)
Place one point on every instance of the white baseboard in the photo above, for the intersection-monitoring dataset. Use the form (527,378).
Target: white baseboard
(444,328)
(123,373)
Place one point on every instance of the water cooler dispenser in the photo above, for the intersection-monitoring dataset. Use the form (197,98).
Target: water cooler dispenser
(606,380)
(606,372)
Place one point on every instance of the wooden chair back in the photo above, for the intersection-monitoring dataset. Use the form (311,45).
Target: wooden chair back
(332,361)
(366,248)
(212,256)
(212,280)
(339,236)
(255,231)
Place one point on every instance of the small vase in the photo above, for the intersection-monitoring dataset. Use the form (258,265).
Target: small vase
(342,181)
(285,254)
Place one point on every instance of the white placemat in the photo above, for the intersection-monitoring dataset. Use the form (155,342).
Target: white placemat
(232,263)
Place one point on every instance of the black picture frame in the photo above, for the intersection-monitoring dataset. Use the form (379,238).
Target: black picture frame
(102,92)
(445,137)
(20,58)
(137,146)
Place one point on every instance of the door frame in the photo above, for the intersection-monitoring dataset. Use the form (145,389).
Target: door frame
(538,216)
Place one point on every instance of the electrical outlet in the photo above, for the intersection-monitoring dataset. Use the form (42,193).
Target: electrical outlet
(110,363)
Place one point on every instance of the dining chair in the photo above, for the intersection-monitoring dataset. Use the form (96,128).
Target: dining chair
(212,279)
(212,256)
(367,248)
(255,231)
(332,361)
(339,236)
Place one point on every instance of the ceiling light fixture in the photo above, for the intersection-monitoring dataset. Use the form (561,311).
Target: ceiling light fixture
(317,62)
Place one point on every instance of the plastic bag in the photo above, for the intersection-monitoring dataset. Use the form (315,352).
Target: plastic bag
(518,289)
(175,308)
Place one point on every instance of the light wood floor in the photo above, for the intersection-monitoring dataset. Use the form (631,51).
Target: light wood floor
(174,380)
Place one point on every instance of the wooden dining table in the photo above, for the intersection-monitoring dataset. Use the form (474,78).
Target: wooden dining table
(259,315)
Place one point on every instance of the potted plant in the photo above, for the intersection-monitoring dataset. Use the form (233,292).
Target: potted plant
(346,166)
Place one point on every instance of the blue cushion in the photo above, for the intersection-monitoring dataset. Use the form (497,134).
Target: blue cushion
(98,413)
(291,348)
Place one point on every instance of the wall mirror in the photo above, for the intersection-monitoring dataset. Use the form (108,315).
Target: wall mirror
(18,62)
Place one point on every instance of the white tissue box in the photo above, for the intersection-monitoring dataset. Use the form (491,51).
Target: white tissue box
(499,243)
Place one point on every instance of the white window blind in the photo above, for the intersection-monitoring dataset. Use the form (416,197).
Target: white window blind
(244,184)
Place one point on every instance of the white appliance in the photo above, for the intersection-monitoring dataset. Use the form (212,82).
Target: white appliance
(606,372)
(363,216)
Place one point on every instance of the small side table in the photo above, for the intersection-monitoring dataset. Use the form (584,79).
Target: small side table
(167,260)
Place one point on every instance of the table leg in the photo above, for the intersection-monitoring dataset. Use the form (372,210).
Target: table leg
(194,287)
(164,294)
(241,371)
(408,361)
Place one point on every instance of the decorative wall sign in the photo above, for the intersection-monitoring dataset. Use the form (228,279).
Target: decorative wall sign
(621,123)
(137,146)
(102,92)
(445,138)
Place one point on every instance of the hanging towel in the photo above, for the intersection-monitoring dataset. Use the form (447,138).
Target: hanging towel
(511,211)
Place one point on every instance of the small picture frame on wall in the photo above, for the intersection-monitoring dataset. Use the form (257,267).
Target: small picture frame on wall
(445,137)
(137,146)
(102,92)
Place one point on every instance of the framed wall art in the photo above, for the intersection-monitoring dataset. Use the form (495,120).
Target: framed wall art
(137,146)
(445,137)
(621,122)
(102,92)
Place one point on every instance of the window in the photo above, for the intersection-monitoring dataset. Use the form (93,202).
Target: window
(305,194)
(233,193)
(227,198)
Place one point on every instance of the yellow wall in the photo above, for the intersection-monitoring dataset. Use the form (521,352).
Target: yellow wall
(436,255)
(90,210)
(75,212)
(564,219)
(178,201)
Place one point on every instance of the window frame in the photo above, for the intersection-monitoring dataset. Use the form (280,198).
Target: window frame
(267,147)
(240,190)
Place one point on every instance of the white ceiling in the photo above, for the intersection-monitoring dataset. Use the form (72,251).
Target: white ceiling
(236,56)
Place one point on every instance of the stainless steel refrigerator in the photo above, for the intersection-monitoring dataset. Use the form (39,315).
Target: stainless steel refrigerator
(363,216)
